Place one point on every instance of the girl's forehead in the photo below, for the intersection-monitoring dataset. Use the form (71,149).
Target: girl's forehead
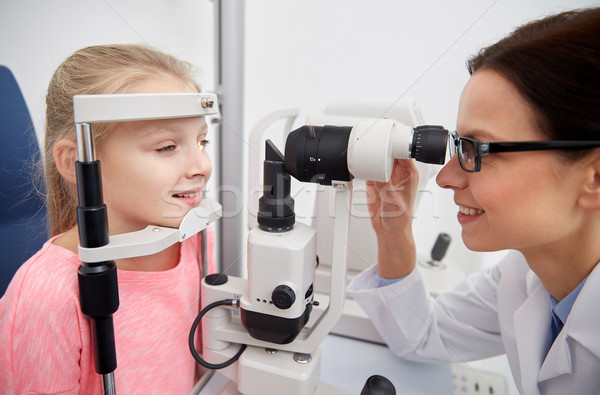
(162,83)
(159,128)
(192,124)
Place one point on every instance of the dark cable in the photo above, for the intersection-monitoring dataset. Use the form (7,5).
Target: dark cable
(197,357)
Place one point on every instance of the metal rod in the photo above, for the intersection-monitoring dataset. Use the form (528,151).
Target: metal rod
(108,383)
(85,142)
(230,88)
(204,249)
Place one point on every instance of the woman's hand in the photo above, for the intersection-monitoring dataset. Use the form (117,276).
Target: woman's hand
(391,206)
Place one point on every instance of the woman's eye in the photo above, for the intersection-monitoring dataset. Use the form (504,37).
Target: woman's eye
(202,144)
(166,148)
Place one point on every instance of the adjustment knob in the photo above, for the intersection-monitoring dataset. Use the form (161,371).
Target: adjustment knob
(378,385)
(283,297)
(440,247)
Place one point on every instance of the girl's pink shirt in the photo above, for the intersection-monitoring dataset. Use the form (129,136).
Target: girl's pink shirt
(45,341)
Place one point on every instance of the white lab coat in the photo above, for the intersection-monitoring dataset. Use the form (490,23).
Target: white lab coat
(504,309)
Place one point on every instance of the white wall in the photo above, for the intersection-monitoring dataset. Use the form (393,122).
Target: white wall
(306,53)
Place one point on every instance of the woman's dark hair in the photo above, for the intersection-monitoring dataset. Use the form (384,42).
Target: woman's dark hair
(555,65)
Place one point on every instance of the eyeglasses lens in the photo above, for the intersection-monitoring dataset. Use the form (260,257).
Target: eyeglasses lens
(466,154)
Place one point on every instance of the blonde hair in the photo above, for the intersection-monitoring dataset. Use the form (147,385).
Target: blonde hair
(101,69)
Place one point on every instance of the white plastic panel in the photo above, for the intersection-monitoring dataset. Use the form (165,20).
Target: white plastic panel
(142,106)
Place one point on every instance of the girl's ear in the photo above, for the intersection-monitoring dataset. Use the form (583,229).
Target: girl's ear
(65,155)
(589,198)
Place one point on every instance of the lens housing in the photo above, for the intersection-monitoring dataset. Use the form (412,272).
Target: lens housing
(318,154)
(322,154)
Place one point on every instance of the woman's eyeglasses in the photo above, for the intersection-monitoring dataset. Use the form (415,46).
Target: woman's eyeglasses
(471,151)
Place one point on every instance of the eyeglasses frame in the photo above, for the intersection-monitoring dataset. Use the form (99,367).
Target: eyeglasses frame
(486,148)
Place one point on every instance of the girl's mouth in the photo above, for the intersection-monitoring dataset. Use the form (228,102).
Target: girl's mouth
(470,211)
(189,198)
(186,195)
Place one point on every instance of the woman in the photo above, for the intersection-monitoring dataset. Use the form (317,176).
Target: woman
(538,305)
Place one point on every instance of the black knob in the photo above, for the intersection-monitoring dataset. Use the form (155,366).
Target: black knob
(216,279)
(378,385)
(440,247)
(283,297)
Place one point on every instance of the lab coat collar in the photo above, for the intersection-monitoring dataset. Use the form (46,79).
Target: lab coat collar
(558,360)
(532,332)
(582,326)
(533,282)
(583,322)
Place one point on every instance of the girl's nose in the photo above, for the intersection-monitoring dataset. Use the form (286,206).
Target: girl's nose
(451,176)
(199,163)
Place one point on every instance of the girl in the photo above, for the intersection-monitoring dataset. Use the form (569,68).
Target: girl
(153,172)
(539,304)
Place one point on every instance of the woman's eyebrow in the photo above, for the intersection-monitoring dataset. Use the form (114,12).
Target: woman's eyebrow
(477,134)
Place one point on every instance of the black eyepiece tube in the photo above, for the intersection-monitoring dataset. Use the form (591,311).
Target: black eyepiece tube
(318,154)
(429,144)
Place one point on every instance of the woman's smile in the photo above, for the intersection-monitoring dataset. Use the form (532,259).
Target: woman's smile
(467,215)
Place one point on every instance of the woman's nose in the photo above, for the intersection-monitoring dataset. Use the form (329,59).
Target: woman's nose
(452,176)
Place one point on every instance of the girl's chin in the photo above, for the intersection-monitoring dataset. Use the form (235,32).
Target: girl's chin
(170,221)
(173,219)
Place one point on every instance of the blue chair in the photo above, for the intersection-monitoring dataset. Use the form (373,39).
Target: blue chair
(23,218)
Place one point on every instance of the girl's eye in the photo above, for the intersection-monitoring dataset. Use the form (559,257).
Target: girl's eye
(202,144)
(166,148)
